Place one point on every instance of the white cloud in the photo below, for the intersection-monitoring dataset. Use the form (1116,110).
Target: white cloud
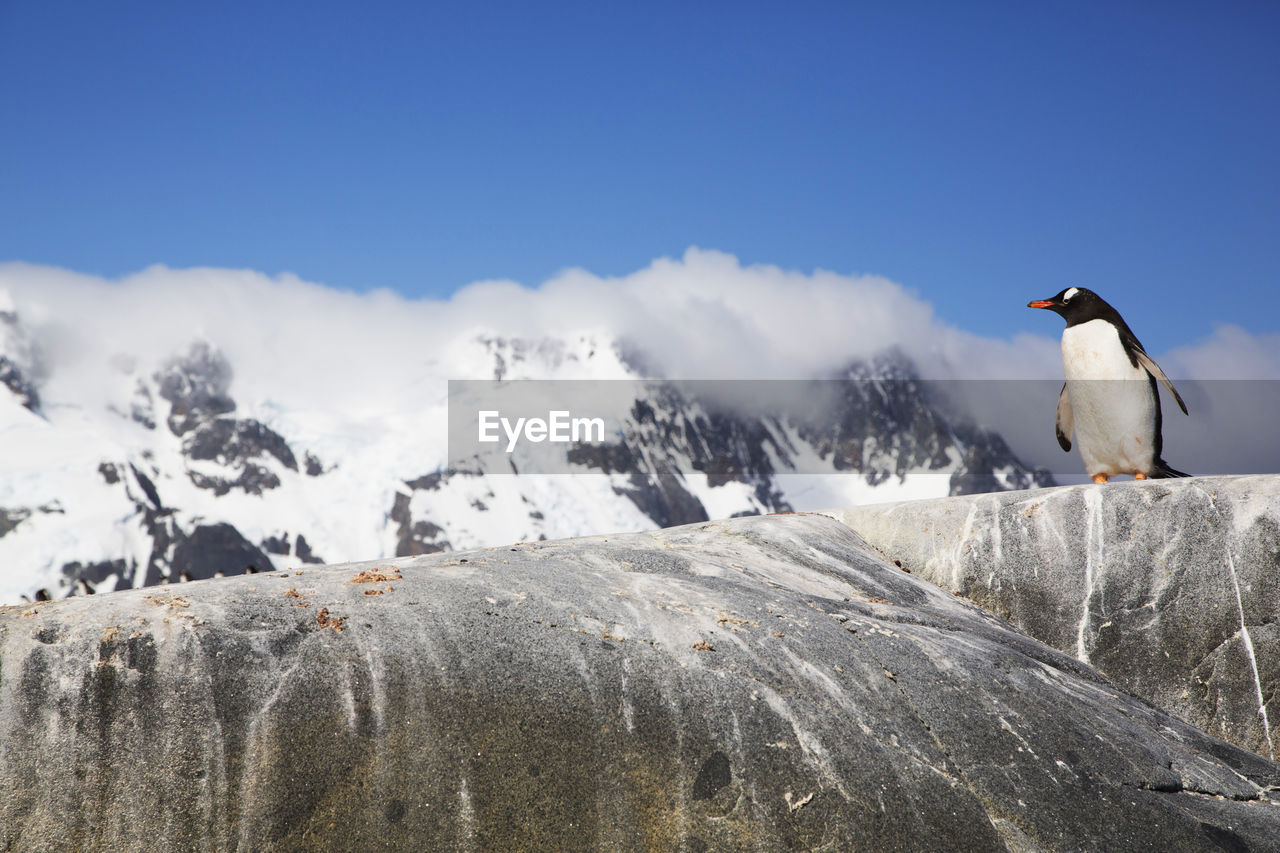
(1230,353)
(704,315)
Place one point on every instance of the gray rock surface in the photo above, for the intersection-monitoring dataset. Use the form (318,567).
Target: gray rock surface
(755,684)
(1170,587)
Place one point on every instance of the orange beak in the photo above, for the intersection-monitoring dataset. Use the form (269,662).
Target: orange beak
(1041,303)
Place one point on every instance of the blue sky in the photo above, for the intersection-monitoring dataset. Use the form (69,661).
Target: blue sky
(983,154)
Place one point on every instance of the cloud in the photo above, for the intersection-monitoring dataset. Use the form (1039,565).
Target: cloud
(704,315)
(300,345)
(1230,353)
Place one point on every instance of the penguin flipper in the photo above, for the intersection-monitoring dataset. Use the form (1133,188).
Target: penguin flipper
(1162,471)
(1154,369)
(1065,421)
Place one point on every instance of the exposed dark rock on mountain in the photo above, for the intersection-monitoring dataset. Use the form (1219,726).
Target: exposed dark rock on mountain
(21,362)
(280,545)
(313,466)
(19,384)
(214,549)
(148,488)
(985,465)
(253,479)
(436,480)
(415,537)
(89,576)
(1170,587)
(234,442)
(196,387)
(883,400)
(304,551)
(142,406)
(663,498)
(762,683)
(277,545)
(11,518)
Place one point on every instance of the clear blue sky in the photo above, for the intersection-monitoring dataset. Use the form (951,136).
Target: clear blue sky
(981,153)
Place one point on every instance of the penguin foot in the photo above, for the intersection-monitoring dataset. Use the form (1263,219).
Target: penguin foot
(1139,476)
(1099,478)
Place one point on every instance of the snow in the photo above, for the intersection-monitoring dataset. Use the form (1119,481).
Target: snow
(807,492)
(725,500)
(815,492)
(367,452)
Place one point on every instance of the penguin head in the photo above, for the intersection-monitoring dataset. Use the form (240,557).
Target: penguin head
(1075,304)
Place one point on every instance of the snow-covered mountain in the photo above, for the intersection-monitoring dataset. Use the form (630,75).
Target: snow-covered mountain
(157,472)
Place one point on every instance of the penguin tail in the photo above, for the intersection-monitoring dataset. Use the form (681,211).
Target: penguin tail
(1162,471)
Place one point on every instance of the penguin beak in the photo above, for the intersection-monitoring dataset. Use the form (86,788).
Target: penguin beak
(1041,303)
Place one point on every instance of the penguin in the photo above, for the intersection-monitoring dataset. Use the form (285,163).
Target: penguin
(1117,424)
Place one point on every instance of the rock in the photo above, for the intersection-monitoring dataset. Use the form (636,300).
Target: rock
(84,578)
(761,683)
(314,467)
(11,518)
(1170,587)
(414,538)
(213,549)
(22,359)
(305,553)
(147,486)
(110,473)
(196,386)
(663,497)
(234,442)
(13,377)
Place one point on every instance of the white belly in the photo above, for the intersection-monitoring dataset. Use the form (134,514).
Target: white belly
(1112,401)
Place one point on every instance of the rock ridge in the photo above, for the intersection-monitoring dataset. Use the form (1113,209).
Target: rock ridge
(757,683)
(1170,587)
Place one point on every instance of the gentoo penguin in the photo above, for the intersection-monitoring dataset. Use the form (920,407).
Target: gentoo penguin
(1110,397)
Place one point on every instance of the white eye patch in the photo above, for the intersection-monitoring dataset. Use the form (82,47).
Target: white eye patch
(1070,293)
